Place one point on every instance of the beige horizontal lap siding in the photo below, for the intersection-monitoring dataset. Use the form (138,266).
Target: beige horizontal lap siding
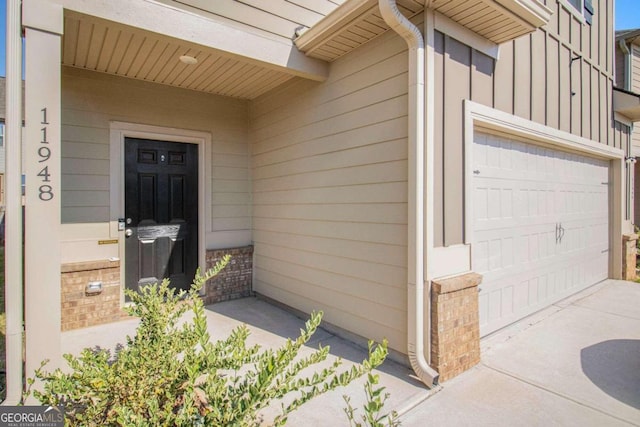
(278,18)
(90,101)
(560,76)
(329,170)
(635,135)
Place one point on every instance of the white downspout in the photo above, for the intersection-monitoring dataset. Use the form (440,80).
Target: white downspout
(13,192)
(627,63)
(416,248)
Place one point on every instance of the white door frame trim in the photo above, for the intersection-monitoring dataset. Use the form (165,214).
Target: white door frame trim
(491,120)
(121,130)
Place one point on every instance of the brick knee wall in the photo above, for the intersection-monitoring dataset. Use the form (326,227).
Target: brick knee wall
(235,280)
(80,309)
(455,326)
(629,253)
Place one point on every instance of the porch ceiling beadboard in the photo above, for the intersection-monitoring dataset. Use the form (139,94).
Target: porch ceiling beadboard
(356,22)
(95,44)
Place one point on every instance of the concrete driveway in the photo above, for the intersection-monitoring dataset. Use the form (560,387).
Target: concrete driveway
(575,363)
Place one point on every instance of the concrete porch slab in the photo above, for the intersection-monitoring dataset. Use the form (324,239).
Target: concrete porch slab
(270,327)
(576,363)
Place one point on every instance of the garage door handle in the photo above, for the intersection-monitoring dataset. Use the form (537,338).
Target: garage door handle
(559,232)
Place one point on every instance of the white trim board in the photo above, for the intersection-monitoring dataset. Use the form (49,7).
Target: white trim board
(478,116)
(121,130)
(449,261)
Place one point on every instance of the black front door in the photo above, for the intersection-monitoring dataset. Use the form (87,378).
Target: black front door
(161,212)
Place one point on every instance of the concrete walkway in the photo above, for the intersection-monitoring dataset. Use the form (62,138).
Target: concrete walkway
(575,363)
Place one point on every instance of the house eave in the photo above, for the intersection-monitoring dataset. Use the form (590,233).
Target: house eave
(338,19)
(627,104)
(206,31)
(501,21)
(628,35)
(532,11)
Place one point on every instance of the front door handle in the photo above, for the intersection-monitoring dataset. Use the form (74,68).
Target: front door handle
(128,232)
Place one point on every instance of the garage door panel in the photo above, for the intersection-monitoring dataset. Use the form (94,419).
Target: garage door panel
(514,245)
(513,298)
(540,226)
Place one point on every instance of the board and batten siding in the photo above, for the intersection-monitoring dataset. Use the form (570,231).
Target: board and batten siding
(635,68)
(329,175)
(559,76)
(622,136)
(90,101)
(635,80)
(620,67)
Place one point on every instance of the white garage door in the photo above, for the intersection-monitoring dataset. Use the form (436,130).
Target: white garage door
(540,226)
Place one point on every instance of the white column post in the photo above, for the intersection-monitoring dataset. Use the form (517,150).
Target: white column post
(13,215)
(43,21)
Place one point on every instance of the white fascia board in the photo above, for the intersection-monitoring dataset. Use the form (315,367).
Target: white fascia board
(532,11)
(43,15)
(184,25)
(622,119)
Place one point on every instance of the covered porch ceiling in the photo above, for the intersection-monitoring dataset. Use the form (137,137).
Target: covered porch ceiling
(96,44)
(355,22)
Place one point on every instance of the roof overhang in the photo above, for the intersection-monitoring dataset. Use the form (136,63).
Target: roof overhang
(207,31)
(626,103)
(628,34)
(355,22)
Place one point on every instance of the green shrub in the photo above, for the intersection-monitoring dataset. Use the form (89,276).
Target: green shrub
(373,415)
(170,373)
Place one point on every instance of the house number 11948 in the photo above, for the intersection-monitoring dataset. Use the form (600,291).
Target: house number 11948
(45,191)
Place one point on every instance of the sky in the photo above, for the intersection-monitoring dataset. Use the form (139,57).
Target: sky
(627,16)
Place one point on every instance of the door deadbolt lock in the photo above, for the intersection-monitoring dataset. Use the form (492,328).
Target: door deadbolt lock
(128,232)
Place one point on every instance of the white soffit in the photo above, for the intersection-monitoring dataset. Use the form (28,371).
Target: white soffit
(626,103)
(350,25)
(96,44)
(356,22)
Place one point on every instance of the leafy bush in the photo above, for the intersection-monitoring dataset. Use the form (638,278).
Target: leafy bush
(373,415)
(170,373)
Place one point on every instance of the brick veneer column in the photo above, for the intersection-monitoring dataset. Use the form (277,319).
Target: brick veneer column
(80,309)
(455,328)
(235,280)
(629,253)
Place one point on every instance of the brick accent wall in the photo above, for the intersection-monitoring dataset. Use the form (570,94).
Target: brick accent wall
(235,280)
(455,326)
(629,253)
(80,309)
